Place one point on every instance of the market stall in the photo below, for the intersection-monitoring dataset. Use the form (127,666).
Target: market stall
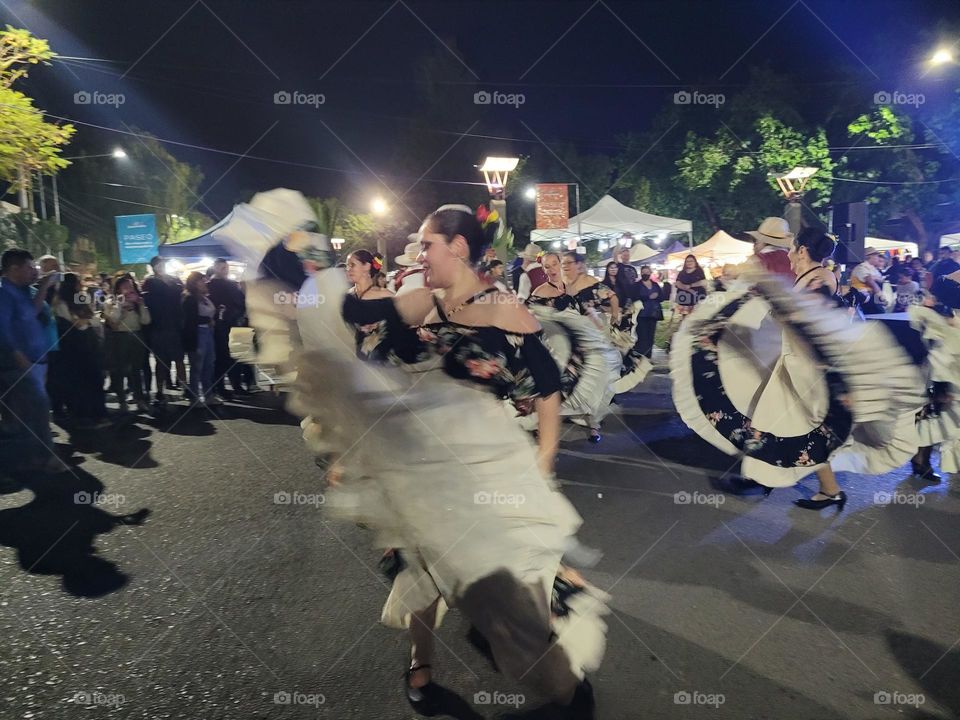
(720,249)
(609,220)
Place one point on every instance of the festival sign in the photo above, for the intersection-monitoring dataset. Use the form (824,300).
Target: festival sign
(136,238)
(553,206)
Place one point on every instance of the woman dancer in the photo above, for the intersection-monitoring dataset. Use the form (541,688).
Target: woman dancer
(691,286)
(363,267)
(939,421)
(495,561)
(600,304)
(791,413)
(590,364)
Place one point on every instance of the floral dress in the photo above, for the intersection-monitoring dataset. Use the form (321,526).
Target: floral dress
(571,373)
(513,366)
(370,339)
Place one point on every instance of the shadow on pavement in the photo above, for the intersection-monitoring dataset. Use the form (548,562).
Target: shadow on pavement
(54,533)
(125,444)
(934,667)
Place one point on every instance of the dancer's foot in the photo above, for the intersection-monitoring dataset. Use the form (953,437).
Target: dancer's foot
(422,694)
(580,708)
(595,435)
(822,500)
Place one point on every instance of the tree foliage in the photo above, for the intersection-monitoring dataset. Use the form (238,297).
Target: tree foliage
(28,143)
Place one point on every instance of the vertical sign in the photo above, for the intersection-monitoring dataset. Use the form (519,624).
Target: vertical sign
(136,238)
(553,206)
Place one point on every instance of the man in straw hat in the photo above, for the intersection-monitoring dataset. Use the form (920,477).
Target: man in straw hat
(867,280)
(410,276)
(533,275)
(771,244)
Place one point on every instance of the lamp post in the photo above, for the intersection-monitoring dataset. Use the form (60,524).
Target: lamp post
(792,185)
(379,207)
(495,171)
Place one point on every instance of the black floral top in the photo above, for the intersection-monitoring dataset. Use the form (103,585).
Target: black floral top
(512,366)
(561,302)
(370,339)
(595,297)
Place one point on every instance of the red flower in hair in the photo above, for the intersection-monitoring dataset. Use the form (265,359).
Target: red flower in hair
(482,214)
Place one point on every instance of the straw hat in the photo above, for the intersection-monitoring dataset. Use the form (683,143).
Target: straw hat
(868,251)
(773,231)
(411,252)
(530,252)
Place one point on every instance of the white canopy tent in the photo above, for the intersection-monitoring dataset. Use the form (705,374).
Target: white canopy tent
(610,219)
(720,249)
(900,246)
(950,240)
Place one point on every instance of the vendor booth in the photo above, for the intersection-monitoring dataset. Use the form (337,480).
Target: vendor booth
(610,220)
(894,247)
(720,249)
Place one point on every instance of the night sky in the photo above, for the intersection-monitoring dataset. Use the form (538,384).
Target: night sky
(205,73)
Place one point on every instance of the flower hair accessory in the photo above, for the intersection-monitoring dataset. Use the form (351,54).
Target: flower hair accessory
(377,263)
(486,216)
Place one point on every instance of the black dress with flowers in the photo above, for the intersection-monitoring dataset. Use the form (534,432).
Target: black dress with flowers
(571,373)
(513,366)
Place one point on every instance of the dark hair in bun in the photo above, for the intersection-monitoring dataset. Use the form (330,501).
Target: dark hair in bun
(819,244)
(453,220)
(368,258)
(947,292)
(575,256)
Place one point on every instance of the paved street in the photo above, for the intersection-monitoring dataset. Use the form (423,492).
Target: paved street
(221,598)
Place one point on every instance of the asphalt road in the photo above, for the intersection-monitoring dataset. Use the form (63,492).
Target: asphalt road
(223,603)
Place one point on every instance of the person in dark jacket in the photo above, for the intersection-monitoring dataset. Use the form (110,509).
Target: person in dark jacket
(163,296)
(650,294)
(199,318)
(81,345)
(227,297)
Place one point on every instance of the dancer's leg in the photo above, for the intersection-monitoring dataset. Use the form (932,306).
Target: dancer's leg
(828,481)
(421,643)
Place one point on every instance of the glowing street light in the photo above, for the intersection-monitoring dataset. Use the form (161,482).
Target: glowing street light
(942,56)
(792,183)
(119,153)
(495,172)
(337,243)
(379,206)
(530,193)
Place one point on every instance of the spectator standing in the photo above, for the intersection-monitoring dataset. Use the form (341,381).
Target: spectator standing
(771,244)
(163,295)
(945,265)
(907,289)
(691,286)
(126,315)
(81,350)
(199,317)
(410,276)
(533,275)
(867,280)
(28,444)
(227,297)
(650,294)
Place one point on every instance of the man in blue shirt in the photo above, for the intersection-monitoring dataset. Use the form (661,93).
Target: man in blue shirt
(26,440)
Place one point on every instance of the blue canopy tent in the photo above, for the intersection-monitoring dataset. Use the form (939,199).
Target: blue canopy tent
(199,247)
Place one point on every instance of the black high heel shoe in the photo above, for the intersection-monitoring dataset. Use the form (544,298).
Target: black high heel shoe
(424,700)
(840,499)
(924,471)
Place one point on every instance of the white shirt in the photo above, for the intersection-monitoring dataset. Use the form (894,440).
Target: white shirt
(524,289)
(862,272)
(412,281)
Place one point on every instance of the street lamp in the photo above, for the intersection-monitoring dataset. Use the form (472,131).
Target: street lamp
(378,206)
(496,171)
(337,243)
(530,193)
(792,184)
(942,56)
(119,153)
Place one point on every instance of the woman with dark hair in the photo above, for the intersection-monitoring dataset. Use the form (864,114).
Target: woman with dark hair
(552,293)
(650,294)
(595,299)
(126,316)
(822,406)
(199,316)
(691,286)
(81,344)
(362,270)
(938,321)
(459,543)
